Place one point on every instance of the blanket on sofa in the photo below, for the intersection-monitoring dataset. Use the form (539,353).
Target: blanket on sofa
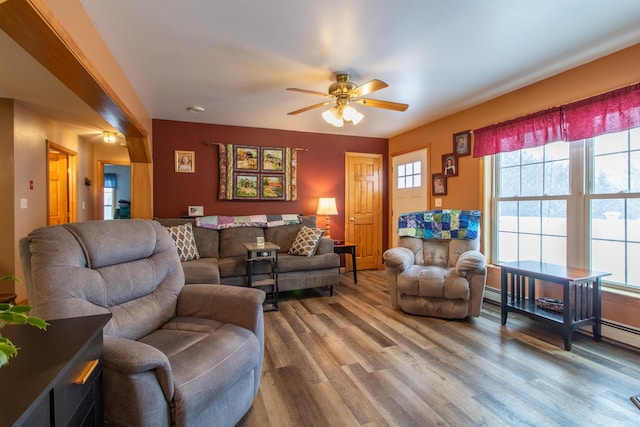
(440,224)
(220,222)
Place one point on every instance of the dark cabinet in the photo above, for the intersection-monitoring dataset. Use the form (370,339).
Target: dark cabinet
(56,378)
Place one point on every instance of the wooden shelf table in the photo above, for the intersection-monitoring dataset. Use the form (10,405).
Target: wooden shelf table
(582,291)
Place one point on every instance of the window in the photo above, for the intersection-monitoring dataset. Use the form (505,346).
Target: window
(575,203)
(109,205)
(409,175)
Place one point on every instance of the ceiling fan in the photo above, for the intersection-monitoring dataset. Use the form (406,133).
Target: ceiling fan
(344,92)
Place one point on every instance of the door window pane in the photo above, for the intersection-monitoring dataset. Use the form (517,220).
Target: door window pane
(409,175)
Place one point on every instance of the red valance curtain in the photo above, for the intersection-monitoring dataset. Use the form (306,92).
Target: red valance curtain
(613,111)
(607,113)
(529,131)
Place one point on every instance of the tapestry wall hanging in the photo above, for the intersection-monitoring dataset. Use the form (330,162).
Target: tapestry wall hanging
(257,173)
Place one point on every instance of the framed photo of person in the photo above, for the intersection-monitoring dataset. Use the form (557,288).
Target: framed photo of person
(450,164)
(185,161)
(438,184)
(462,143)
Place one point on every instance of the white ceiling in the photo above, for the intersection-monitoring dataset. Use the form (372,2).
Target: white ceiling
(235,58)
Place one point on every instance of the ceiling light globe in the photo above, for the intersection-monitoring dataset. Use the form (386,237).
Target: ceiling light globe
(349,113)
(332,116)
(358,117)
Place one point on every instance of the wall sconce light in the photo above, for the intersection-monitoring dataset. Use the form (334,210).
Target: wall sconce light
(109,137)
(88,182)
(327,206)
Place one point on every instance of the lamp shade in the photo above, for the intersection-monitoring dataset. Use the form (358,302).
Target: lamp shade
(327,206)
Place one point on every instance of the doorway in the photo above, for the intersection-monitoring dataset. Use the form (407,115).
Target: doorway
(409,187)
(114,190)
(363,207)
(62,167)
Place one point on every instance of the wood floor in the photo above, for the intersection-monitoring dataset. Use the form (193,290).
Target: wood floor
(351,360)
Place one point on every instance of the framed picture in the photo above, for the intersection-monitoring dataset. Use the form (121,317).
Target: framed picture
(246,187)
(450,164)
(438,184)
(196,211)
(462,143)
(185,161)
(273,159)
(246,158)
(272,187)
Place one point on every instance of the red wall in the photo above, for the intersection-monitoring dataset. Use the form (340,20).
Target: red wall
(321,170)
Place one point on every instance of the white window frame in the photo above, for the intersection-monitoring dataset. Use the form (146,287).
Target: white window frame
(578,230)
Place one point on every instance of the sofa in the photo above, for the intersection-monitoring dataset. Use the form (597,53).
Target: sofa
(433,272)
(222,257)
(174,354)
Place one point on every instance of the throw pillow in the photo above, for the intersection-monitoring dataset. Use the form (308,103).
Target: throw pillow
(185,242)
(306,241)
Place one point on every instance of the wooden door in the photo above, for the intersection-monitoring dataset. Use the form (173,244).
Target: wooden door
(363,207)
(62,175)
(58,188)
(409,187)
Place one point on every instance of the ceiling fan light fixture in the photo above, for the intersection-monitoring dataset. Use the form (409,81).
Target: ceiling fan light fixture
(357,118)
(352,115)
(333,116)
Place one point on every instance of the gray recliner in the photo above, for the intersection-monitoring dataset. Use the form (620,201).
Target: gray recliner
(174,354)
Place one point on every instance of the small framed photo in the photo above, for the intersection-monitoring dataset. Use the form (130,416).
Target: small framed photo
(438,184)
(246,158)
(196,210)
(272,187)
(462,143)
(185,161)
(246,187)
(260,241)
(272,159)
(450,164)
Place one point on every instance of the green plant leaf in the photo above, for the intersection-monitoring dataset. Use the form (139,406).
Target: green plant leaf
(37,322)
(7,350)
(13,318)
(4,359)
(20,309)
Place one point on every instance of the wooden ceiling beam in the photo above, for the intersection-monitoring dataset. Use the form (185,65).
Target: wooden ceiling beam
(33,27)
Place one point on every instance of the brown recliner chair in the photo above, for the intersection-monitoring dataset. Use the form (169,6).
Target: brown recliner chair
(173,354)
(436,277)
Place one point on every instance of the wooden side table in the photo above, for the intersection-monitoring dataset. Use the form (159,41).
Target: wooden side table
(268,252)
(348,248)
(582,291)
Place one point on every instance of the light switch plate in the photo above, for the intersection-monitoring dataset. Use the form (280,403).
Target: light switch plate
(438,203)
(23,203)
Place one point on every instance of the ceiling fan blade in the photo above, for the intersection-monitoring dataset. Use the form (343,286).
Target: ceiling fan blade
(311,107)
(367,88)
(382,104)
(312,92)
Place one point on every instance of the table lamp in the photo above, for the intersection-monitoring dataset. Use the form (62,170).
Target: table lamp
(327,206)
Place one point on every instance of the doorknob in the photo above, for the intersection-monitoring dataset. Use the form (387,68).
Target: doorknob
(352,219)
